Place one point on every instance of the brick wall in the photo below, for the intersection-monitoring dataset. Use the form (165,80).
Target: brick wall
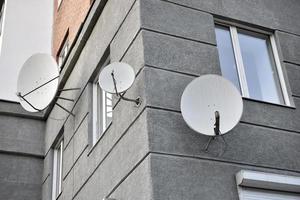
(68,16)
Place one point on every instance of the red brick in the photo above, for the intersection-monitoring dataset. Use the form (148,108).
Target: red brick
(69,16)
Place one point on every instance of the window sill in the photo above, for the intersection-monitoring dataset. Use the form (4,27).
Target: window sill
(268,181)
(269,103)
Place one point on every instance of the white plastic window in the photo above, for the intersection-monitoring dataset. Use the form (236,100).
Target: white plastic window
(2,17)
(59,3)
(102,110)
(250,61)
(260,194)
(57,169)
(63,53)
(253,185)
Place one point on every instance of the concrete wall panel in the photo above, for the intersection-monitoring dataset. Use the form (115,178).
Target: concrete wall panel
(176,20)
(172,85)
(278,14)
(290,45)
(180,55)
(17,182)
(178,178)
(137,185)
(21,135)
(293,72)
(246,143)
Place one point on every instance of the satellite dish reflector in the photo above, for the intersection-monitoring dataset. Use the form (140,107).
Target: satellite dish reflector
(37,82)
(208,99)
(123,75)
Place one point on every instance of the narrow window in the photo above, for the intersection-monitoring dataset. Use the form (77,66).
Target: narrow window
(63,53)
(59,3)
(247,59)
(57,169)
(102,109)
(2,17)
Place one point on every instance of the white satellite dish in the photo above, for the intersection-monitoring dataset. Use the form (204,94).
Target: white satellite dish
(123,75)
(37,82)
(210,97)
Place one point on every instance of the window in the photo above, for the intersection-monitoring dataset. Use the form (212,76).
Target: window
(63,53)
(102,110)
(254,185)
(250,61)
(59,3)
(2,17)
(57,169)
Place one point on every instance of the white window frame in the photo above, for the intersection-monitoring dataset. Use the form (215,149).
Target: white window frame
(57,173)
(233,29)
(261,185)
(2,14)
(63,53)
(99,110)
(58,3)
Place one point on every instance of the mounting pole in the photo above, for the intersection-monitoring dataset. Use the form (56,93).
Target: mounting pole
(216,130)
(137,101)
(64,109)
(23,97)
(217,123)
(68,89)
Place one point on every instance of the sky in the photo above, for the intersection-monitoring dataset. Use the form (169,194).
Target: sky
(26,30)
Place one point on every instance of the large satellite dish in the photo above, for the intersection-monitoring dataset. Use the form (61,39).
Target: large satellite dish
(116,78)
(37,82)
(211,105)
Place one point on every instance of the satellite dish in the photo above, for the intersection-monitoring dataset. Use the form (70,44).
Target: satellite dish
(37,82)
(208,99)
(116,78)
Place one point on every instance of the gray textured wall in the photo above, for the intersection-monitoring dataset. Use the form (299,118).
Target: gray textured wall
(149,152)
(21,153)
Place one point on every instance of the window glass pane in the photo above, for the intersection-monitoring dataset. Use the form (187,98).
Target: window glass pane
(261,74)
(108,108)
(226,55)
(58,164)
(63,53)
(1,17)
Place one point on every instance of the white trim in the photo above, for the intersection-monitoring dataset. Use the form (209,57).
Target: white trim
(95,113)
(3,16)
(268,181)
(63,52)
(57,178)
(247,193)
(279,71)
(54,175)
(239,61)
(103,111)
(60,166)
(238,25)
(59,3)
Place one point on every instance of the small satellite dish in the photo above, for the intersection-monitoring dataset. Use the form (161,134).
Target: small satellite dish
(211,102)
(37,82)
(116,78)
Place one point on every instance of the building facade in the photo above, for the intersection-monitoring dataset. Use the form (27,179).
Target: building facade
(68,18)
(148,152)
